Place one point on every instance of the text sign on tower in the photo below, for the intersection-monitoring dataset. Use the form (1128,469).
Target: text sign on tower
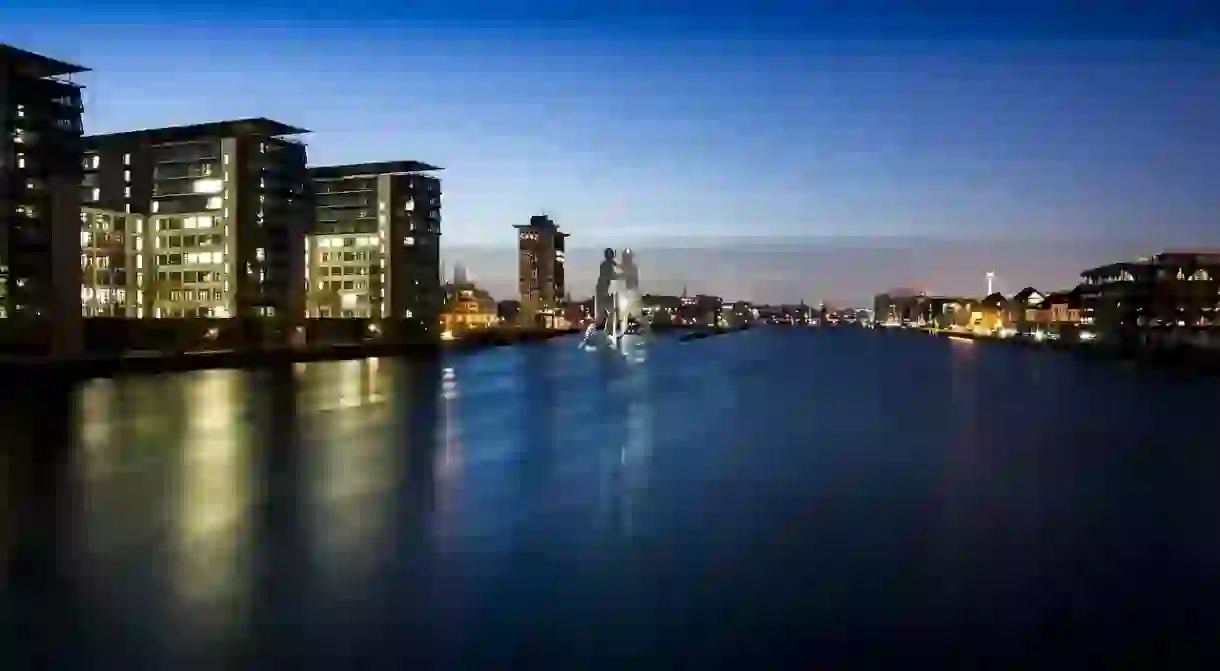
(529,235)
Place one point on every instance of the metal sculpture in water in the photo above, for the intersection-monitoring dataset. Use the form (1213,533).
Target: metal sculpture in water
(617,303)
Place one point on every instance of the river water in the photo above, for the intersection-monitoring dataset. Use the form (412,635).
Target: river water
(761,498)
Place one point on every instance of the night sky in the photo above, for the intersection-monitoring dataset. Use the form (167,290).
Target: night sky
(799,151)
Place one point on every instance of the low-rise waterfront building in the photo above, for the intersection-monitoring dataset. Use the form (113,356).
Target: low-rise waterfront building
(468,308)
(1171,297)
(898,307)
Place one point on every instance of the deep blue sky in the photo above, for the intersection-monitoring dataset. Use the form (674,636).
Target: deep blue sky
(663,124)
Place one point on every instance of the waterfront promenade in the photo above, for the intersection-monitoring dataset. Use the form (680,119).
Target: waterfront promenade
(765,499)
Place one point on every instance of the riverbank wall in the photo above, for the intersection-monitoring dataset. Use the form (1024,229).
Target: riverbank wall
(151,363)
(1182,357)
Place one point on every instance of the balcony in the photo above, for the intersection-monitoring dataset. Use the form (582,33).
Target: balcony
(344,203)
(188,153)
(176,171)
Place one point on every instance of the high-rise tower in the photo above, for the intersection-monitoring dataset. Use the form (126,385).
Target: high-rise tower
(540,270)
(40,167)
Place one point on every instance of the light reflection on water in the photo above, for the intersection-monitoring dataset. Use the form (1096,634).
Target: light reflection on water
(351,470)
(527,498)
(214,490)
(637,449)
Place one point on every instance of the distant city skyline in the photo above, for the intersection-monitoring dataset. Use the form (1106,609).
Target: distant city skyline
(630,126)
(847,271)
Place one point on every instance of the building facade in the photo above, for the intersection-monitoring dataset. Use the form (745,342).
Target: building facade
(374,250)
(468,307)
(898,308)
(540,271)
(110,257)
(40,165)
(1171,296)
(211,219)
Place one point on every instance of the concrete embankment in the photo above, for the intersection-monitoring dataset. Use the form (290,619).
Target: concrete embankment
(90,366)
(1183,357)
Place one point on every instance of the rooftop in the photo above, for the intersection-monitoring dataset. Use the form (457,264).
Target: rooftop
(539,221)
(34,65)
(1171,256)
(1205,254)
(370,169)
(234,128)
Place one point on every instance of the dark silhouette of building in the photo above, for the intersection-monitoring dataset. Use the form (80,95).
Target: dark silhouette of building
(509,312)
(374,251)
(222,208)
(898,306)
(40,167)
(540,269)
(1171,296)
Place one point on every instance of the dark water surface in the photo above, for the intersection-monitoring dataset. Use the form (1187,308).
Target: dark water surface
(764,497)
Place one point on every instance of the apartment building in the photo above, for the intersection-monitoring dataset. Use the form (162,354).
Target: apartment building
(374,251)
(206,220)
(540,270)
(110,244)
(40,154)
(1173,295)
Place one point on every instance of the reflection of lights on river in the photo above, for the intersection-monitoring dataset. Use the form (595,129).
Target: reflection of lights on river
(214,491)
(96,415)
(636,451)
(351,474)
(351,380)
(449,458)
(346,384)
(635,347)
(449,384)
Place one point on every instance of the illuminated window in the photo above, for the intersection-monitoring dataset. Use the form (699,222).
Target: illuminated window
(408,241)
(127,192)
(20,161)
(215,203)
(207,186)
(260,254)
(97,194)
(126,159)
